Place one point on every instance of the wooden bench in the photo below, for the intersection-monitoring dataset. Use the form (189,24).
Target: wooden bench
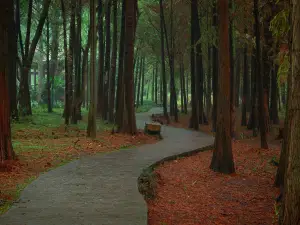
(152,128)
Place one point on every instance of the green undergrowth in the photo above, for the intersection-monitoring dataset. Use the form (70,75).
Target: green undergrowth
(147,105)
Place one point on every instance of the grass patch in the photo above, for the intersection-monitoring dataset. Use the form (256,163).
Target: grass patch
(6,204)
(147,105)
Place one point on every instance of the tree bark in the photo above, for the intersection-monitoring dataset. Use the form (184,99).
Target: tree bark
(291,205)
(6,20)
(143,82)
(130,25)
(222,160)
(113,63)
(12,67)
(274,96)
(262,114)
(100,95)
(107,62)
(245,88)
(120,103)
(91,128)
(194,120)
(215,73)
(163,67)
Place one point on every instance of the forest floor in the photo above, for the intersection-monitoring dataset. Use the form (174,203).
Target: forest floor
(42,143)
(189,193)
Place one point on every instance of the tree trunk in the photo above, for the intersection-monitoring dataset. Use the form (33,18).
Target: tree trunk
(153,83)
(222,160)
(48,67)
(262,114)
(291,205)
(163,70)
(12,67)
(215,73)
(6,15)
(194,120)
(143,82)
(91,128)
(208,91)
(232,76)
(107,61)
(274,94)
(245,88)
(55,26)
(100,95)
(67,97)
(130,26)
(113,63)
(139,81)
(24,94)
(156,83)
(120,103)
(238,79)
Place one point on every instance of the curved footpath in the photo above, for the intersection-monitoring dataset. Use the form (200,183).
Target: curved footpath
(100,189)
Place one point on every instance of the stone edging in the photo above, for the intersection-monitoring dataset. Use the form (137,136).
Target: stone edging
(147,179)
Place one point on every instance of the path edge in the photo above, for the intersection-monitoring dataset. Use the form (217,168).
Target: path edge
(147,181)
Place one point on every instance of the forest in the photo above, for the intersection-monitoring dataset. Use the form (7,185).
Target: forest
(150,111)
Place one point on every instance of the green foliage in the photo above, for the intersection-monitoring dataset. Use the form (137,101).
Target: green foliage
(147,105)
(280,25)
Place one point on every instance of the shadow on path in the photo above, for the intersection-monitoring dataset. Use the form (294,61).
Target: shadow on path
(100,189)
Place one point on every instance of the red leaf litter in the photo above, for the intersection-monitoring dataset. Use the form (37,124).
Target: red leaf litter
(189,193)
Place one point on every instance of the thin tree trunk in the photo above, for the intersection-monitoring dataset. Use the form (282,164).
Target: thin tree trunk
(263,131)
(245,88)
(48,67)
(113,63)
(163,70)
(274,95)
(107,61)
(194,120)
(139,82)
(91,128)
(143,82)
(215,73)
(120,103)
(100,95)
(67,98)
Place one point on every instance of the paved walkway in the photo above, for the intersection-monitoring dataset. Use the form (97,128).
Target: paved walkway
(100,189)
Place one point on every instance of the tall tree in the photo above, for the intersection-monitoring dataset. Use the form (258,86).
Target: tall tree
(12,70)
(92,129)
(222,160)
(215,72)
(120,101)
(48,85)
(6,19)
(163,65)
(107,61)
(67,77)
(28,54)
(291,206)
(245,87)
(100,95)
(130,26)
(262,114)
(194,120)
(113,62)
